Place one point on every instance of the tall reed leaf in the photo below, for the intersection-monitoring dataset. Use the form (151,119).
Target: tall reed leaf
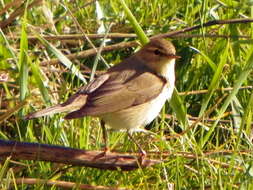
(39,81)
(242,77)
(5,48)
(137,28)
(4,168)
(215,80)
(23,65)
(178,107)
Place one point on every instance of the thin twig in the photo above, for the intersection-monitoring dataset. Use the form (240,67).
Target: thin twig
(196,118)
(204,156)
(19,11)
(119,35)
(209,23)
(208,112)
(205,91)
(85,35)
(165,154)
(8,113)
(209,36)
(90,52)
(79,36)
(61,184)
(15,3)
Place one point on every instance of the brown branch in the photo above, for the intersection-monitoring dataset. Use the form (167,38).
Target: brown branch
(66,155)
(91,52)
(209,36)
(212,120)
(78,36)
(205,91)
(12,4)
(61,184)
(87,4)
(169,116)
(209,23)
(19,11)
(120,35)
(210,187)
(209,120)
(8,113)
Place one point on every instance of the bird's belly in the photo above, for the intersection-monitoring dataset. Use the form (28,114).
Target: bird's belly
(137,116)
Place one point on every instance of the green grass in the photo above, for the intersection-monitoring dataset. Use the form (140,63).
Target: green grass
(209,155)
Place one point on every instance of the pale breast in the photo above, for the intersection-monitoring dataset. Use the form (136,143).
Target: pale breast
(156,105)
(137,116)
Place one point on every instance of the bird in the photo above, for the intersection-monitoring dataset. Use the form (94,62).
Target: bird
(129,95)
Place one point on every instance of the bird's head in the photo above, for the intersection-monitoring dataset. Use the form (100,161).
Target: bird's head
(159,55)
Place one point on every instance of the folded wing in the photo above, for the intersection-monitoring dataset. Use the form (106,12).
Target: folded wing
(115,95)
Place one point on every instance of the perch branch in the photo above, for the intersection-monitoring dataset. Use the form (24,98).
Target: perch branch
(65,155)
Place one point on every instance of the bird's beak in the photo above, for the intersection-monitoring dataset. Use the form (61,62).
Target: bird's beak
(174,56)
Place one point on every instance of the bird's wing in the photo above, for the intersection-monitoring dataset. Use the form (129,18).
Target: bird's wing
(115,95)
(94,84)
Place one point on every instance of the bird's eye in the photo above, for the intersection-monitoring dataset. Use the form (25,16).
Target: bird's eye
(157,52)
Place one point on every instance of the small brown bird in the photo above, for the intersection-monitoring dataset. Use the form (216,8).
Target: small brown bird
(130,94)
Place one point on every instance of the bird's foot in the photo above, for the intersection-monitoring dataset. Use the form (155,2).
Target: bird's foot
(102,154)
(106,151)
(142,156)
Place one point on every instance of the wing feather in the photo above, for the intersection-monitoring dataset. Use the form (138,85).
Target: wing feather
(115,95)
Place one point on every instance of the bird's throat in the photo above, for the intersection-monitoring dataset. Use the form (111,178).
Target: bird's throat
(167,70)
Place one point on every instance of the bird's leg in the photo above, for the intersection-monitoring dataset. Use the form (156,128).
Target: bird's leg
(105,137)
(106,149)
(142,152)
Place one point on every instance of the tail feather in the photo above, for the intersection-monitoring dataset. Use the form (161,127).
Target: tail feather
(47,111)
(74,103)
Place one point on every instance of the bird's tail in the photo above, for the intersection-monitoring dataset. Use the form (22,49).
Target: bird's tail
(74,103)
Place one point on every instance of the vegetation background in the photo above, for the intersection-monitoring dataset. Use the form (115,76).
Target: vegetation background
(212,149)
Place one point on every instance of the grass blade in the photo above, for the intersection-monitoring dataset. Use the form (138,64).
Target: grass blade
(138,30)
(215,80)
(23,65)
(242,77)
(178,107)
(39,81)
(4,168)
